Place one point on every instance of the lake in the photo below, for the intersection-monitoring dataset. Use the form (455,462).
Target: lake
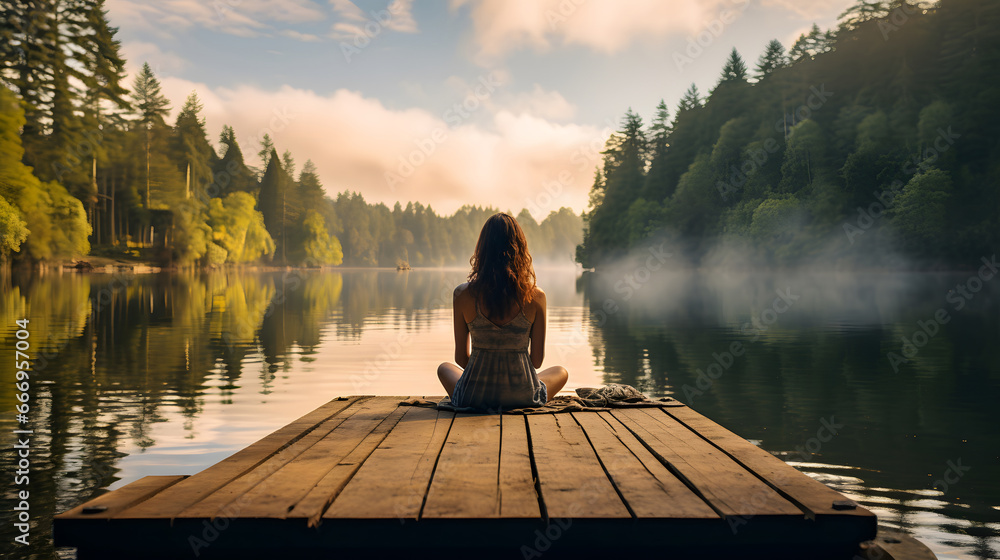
(170,373)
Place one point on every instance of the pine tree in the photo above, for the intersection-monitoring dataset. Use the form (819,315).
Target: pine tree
(230,172)
(152,106)
(735,70)
(772,59)
(288,162)
(266,147)
(190,147)
(656,187)
(860,13)
(691,99)
(811,44)
(311,192)
(625,157)
(273,205)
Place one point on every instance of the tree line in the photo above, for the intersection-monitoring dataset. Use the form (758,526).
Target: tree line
(867,143)
(88,163)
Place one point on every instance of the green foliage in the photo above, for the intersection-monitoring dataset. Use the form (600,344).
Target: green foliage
(217,254)
(772,59)
(134,181)
(56,220)
(231,172)
(239,228)
(775,218)
(320,247)
(13,230)
(920,212)
(735,69)
(847,118)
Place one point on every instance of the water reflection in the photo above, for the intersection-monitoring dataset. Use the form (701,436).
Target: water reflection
(167,374)
(815,353)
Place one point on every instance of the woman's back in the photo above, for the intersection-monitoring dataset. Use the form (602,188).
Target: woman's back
(499,374)
(514,334)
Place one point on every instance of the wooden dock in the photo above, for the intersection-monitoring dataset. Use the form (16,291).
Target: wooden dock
(367,477)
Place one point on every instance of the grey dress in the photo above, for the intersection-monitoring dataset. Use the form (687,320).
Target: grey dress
(499,374)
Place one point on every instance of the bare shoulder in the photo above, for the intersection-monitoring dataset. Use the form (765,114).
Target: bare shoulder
(538,297)
(461,290)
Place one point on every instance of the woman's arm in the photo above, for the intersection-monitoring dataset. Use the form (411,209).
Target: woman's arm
(537,353)
(461,330)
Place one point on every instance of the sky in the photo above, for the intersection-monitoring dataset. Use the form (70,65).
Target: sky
(503,103)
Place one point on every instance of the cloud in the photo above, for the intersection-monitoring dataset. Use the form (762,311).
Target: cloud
(606,26)
(511,162)
(243,18)
(138,52)
(397,15)
(541,103)
(815,9)
(298,36)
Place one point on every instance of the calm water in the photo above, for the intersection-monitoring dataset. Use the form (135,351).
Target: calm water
(169,374)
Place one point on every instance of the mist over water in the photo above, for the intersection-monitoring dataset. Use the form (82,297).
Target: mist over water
(902,363)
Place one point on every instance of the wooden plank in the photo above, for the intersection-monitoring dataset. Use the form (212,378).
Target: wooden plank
(648,487)
(272,489)
(407,458)
(112,503)
(326,490)
(518,498)
(724,483)
(572,482)
(466,481)
(186,493)
(815,496)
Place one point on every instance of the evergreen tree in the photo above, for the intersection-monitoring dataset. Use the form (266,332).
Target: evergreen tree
(657,187)
(230,172)
(152,106)
(772,59)
(273,205)
(691,99)
(811,44)
(735,69)
(190,148)
(266,147)
(288,162)
(860,13)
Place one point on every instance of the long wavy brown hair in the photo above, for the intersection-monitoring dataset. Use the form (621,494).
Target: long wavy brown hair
(502,275)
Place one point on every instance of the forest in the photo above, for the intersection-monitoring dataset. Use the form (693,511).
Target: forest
(90,166)
(873,144)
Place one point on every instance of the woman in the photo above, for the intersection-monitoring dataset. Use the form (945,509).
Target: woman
(503,311)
